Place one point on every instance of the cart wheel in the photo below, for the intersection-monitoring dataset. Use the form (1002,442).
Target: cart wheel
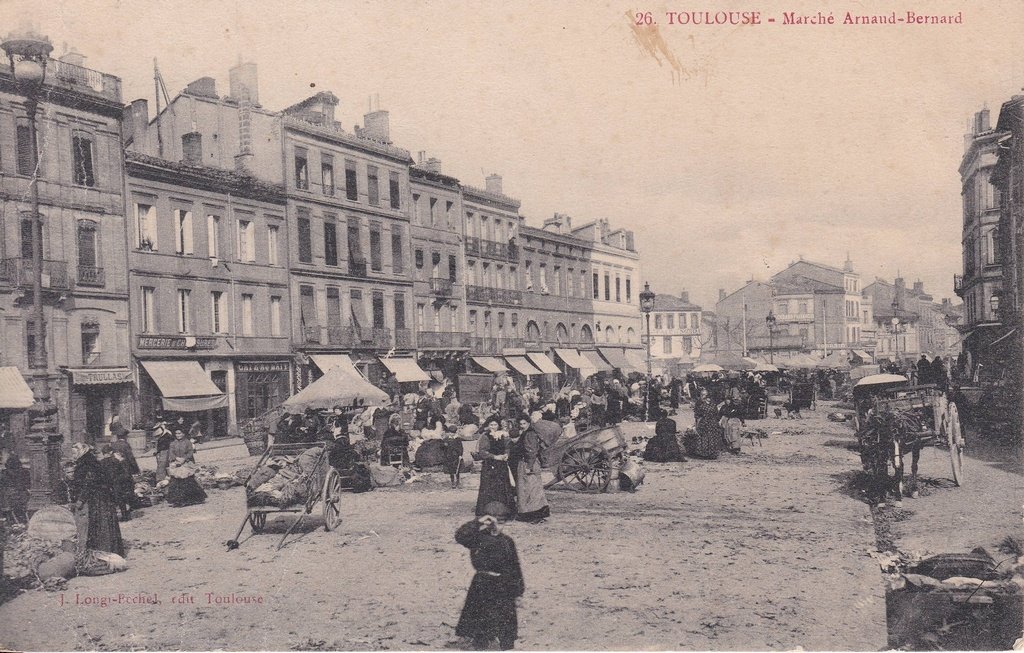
(586,469)
(332,500)
(955,440)
(257,520)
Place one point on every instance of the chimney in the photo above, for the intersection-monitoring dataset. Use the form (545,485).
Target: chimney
(192,148)
(377,126)
(203,87)
(421,158)
(244,83)
(848,265)
(721,294)
(432,165)
(493,183)
(981,121)
(685,296)
(136,119)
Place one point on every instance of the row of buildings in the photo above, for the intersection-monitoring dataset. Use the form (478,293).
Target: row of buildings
(217,256)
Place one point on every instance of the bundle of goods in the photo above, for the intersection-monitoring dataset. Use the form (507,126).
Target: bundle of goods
(283,480)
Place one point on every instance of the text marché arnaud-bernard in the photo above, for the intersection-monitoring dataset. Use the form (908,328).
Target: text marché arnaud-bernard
(793,18)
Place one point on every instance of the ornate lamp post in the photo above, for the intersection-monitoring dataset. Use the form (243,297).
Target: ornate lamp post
(28,54)
(646,306)
(770,322)
(895,327)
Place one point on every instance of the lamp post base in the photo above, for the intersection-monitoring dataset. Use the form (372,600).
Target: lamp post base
(44,452)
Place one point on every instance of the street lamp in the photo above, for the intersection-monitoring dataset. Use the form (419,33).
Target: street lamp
(895,326)
(770,321)
(646,306)
(27,55)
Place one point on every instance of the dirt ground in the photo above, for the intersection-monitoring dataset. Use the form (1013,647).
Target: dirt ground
(768,549)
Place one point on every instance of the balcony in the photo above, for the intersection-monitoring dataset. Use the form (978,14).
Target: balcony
(18,272)
(492,249)
(357,268)
(356,337)
(403,338)
(958,284)
(83,80)
(441,287)
(311,335)
(90,275)
(486,345)
(442,340)
(484,294)
(154,341)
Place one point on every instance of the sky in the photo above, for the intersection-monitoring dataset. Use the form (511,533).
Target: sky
(729,150)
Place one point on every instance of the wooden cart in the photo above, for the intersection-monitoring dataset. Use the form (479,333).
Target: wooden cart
(586,462)
(323,486)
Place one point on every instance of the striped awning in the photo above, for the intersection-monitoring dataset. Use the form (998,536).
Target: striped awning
(14,392)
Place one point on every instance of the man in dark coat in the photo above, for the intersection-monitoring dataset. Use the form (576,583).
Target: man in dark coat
(490,609)
(120,479)
(924,371)
(939,377)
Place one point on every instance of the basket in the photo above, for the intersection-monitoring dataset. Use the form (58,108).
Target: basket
(255,440)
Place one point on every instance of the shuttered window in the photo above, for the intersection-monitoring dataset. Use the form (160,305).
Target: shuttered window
(305,239)
(330,243)
(376,263)
(25,160)
(82,151)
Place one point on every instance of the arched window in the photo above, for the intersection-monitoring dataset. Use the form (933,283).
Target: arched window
(630,335)
(561,334)
(609,334)
(532,332)
(586,334)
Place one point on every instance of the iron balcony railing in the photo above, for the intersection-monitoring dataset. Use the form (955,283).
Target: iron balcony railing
(358,337)
(19,272)
(84,80)
(484,294)
(491,345)
(492,249)
(311,335)
(441,286)
(442,339)
(403,338)
(90,275)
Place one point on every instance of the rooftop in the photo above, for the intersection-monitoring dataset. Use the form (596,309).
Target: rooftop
(202,177)
(673,303)
(801,285)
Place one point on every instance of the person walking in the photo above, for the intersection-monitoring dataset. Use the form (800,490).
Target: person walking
(94,503)
(489,612)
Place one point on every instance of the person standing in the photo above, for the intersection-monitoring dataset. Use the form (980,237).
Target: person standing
(15,482)
(117,471)
(452,448)
(164,437)
(495,476)
(118,431)
(121,447)
(731,422)
(489,612)
(94,503)
(531,503)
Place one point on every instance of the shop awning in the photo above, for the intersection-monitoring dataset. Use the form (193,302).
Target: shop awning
(616,357)
(326,361)
(185,386)
(490,363)
(635,357)
(14,392)
(543,363)
(405,369)
(521,365)
(596,361)
(572,358)
(863,355)
(101,376)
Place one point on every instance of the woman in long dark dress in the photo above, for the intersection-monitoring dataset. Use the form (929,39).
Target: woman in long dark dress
(94,503)
(530,500)
(495,477)
(394,441)
(710,434)
(164,437)
(183,488)
(490,609)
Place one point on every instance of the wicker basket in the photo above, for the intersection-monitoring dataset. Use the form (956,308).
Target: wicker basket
(255,440)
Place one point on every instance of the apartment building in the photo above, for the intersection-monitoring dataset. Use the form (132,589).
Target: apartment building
(675,328)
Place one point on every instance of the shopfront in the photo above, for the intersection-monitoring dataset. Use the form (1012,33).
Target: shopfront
(183,388)
(95,396)
(260,386)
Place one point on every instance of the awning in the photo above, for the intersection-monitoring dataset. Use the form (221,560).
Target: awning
(326,361)
(596,361)
(337,387)
(543,363)
(185,386)
(521,365)
(104,376)
(405,369)
(490,363)
(863,355)
(572,358)
(14,392)
(635,357)
(616,358)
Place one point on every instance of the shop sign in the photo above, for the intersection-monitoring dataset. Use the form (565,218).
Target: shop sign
(96,377)
(267,366)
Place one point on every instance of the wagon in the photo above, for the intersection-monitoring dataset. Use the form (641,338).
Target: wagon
(586,462)
(322,485)
(802,394)
(934,418)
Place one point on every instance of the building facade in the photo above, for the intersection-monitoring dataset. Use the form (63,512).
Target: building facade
(84,276)
(675,328)
(615,282)
(981,280)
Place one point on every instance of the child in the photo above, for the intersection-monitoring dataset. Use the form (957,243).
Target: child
(452,447)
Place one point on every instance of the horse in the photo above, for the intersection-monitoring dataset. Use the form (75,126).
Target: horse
(885,438)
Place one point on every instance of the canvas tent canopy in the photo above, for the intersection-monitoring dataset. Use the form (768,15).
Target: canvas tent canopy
(596,361)
(14,392)
(491,364)
(337,387)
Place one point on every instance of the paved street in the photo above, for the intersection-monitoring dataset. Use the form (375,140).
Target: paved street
(762,550)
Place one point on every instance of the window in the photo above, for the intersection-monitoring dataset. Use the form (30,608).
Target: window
(376,262)
(355,249)
(433,211)
(247,315)
(421,310)
(90,343)
(272,234)
(88,251)
(784,308)
(670,321)
(802,308)
(437,317)
(30,342)
(246,240)
(513,278)
(543,277)
(629,290)
(182,231)
(657,321)
(213,236)
(358,315)
(397,255)
(327,175)
(618,289)
(529,276)
(666,344)
(81,146)
(275,316)
(307,308)
(305,238)
(607,287)
(597,286)
(333,308)
(218,312)
(26,162)
(415,217)
(449,215)
(435,264)
(991,247)
(394,190)
(454,317)
(148,315)
(351,185)
(184,311)
(28,231)
(419,259)
(399,311)
(377,305)
(372,185)
(301,169)
(145,220)
(453,267)
(556,281)
(330,243)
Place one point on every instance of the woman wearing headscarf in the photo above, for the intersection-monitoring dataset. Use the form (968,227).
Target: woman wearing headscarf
(94,503)
(731,416)
(530,500)
(495,475)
